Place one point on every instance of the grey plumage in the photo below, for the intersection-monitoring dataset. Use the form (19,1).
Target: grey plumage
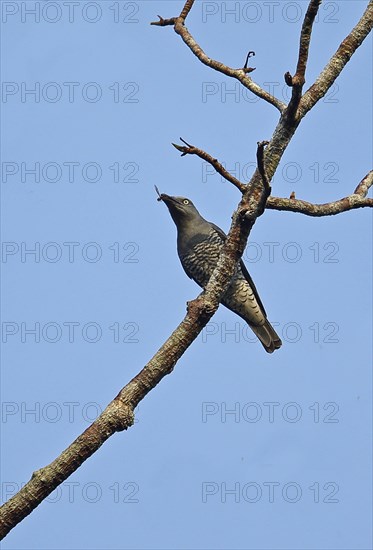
(198,245)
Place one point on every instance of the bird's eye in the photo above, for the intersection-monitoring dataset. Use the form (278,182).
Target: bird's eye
(185,201)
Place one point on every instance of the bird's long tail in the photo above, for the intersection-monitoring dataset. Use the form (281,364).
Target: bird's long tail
(267,336)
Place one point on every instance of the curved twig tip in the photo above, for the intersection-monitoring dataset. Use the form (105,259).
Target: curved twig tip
(250,54)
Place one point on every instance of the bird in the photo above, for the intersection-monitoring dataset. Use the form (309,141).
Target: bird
(198,245)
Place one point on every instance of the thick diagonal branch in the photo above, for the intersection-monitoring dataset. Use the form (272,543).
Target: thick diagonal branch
(119,414)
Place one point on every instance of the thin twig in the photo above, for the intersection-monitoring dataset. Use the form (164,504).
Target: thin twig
(191,150)
(261,167)
(250,54)
(164,22)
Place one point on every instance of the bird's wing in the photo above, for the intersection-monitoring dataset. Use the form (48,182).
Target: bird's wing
(245,273)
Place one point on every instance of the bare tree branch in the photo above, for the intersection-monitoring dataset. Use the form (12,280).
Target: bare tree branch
(365,184)
(356,200)
(261,167)
(191,150)
(317,210)
(164,22)
(287,126)
(298,80)
(119,414)
(338,61)
(239,74)
(186,9)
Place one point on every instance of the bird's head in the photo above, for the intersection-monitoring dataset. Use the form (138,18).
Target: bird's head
(181,209)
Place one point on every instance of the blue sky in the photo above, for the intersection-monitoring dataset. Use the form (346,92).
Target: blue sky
(237,448)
